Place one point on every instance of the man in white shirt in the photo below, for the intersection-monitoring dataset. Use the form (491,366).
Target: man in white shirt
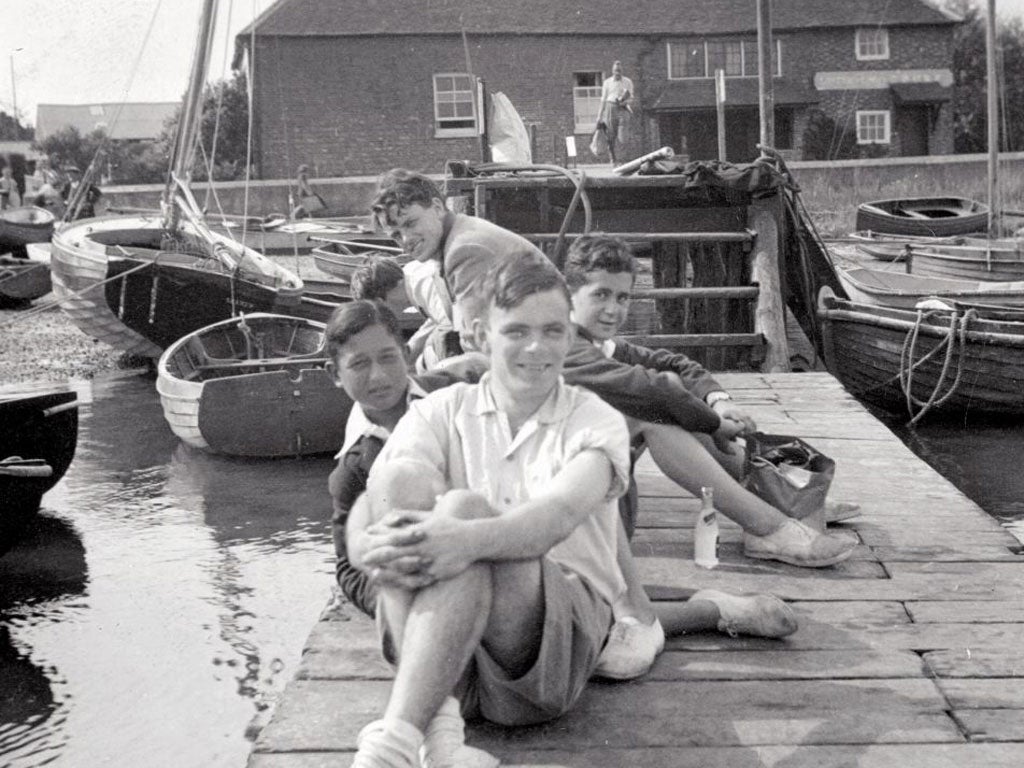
(616,108)
(510,578)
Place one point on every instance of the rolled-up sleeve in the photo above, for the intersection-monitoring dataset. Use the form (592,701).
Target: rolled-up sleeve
(595,425)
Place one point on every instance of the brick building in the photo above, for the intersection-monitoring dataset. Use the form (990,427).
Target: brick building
(357,86)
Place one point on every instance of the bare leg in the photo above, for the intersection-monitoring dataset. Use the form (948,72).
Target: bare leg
(686,462)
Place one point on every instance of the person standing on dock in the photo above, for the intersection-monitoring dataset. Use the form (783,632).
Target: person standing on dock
(616,114)
(463,248)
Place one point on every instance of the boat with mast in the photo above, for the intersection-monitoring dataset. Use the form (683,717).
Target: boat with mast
(139,282)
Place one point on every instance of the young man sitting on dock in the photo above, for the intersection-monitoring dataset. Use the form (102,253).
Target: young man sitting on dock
(462,247)
(695,447)
(512,575)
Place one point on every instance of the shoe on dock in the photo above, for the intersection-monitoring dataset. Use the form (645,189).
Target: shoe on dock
(756,615)
(631,649)
(840,511)
(444,743)
(797,543)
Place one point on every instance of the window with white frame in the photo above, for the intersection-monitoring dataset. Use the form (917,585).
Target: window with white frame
(586,100)
(700,58)
(873,126)
(454,105)
(872,43)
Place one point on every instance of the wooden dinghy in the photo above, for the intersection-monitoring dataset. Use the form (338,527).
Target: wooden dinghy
(903,291)
(24,279)
(38,437)
(928,216)
(253,386)
(138,286)
(881,353)
(343,257)
(974,258)
(23,225)
(277,235)
(885,247)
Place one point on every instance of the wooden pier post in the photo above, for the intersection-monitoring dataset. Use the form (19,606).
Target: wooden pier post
(770,312)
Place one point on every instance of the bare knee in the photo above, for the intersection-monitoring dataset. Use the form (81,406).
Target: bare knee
(464,505)
(403,485)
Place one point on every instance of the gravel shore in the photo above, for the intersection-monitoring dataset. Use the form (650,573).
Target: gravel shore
(44,346)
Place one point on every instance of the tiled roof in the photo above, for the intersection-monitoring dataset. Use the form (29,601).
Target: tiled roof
(592,17)
(133,120)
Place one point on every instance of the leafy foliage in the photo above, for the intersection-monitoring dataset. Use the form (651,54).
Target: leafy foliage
(11,129)
(970,128)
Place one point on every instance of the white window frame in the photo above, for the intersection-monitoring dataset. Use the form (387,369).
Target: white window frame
(867,128)
(586,103)
(747,63)
(871,43)
(440,130)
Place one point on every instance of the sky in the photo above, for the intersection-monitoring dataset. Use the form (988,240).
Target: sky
(93,51)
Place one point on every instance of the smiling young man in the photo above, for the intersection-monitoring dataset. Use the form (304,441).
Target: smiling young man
(504,590)
(695,446)
(465,247)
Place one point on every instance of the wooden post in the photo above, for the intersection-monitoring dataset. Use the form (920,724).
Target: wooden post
(720,111)
(992,110)
(765,72)
(770,311)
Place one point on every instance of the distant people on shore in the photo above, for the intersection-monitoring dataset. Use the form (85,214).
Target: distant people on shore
(307,202)
(8,189)
(616,114)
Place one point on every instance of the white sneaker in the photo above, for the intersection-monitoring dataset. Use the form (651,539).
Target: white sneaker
(757,615)
(444,742)
(631,649)
(797,543)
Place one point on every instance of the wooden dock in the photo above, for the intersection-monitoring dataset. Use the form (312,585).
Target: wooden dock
(909,655)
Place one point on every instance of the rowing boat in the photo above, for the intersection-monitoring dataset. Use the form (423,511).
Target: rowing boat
(253,386)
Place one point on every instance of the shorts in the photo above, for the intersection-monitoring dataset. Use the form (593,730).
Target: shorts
(577,621)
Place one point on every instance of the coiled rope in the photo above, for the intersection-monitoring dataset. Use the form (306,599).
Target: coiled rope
(955,341)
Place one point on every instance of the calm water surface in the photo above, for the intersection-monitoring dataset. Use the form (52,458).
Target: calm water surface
(162,602)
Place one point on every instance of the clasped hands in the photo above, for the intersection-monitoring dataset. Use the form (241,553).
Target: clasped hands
(735,422)
(412,549)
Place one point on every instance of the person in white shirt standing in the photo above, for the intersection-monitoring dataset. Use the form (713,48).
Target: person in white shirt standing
(616,108)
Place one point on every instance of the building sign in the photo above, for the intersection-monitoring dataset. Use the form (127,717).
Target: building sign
(879,79)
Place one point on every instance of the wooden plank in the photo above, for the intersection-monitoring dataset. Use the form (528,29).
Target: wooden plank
(838,756)
(989,725)
(990,692)
(976,662)
(785,665)
(697,340)
(698,292)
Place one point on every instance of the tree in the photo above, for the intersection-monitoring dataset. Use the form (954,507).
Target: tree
(11,129)
(226,112)
(970,113)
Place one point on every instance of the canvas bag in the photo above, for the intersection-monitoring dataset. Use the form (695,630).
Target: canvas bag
(599,143)
(789,474)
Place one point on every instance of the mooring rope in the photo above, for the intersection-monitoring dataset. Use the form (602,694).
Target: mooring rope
(955,340)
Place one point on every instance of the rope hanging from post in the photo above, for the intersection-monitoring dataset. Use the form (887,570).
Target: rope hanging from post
(955,341)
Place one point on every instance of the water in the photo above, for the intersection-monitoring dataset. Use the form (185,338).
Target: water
(162,602)
(982,459)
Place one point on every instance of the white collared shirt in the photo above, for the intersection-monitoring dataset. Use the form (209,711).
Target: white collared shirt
(460,432)
(359,426)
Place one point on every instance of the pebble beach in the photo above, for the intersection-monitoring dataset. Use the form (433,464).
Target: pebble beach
(42,345)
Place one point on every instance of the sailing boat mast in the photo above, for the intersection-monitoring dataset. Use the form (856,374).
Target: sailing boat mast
(992,83)
(191,112)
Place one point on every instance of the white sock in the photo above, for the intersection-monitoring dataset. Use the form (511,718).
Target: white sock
(444,744)
(388,744)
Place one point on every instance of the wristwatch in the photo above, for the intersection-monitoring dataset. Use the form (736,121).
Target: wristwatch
(714,397)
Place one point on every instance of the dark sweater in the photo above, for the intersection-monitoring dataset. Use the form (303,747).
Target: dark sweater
(346,484)
(646,384)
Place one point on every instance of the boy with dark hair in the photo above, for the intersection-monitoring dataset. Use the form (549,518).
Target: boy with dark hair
(381,279)
(695,448)
(464,247)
